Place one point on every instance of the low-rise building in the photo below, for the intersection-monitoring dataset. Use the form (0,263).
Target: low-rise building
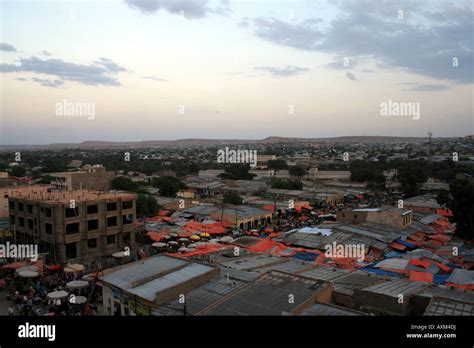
(90,178)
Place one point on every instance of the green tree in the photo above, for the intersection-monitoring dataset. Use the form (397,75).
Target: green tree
(168,185)
(277,164)
(123,183)
(291,184)
(146,205)
(231,197)
(462,206)
(18,171)
(297,171)
(237,172)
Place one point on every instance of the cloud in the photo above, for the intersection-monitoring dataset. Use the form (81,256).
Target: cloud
(430,40)
(92,75)
(7,47)
(49,83)
(21,79)
(46,53)
(153,78)
(301,36)
(429,88)
(282,72)
(191,9)
(110,65)
(351,76)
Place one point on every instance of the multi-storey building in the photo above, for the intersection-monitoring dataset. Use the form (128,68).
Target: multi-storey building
(91,178)
(76,225)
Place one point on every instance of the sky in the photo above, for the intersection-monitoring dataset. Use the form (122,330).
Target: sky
(240,69)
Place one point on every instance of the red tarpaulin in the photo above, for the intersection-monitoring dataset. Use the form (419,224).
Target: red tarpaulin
(155,236)
(421,276)
(14,265)
(445,213)
(269,207)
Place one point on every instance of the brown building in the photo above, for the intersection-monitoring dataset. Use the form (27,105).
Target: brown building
(74,225)
(6,191)
(91,178)
(384,216)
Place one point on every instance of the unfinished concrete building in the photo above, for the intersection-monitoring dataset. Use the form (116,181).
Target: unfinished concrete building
(74,225)
(90,178)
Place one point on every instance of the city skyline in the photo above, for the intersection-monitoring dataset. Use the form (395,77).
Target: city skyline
(162,70)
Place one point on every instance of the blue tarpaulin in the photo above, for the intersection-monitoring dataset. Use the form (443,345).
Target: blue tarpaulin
(393,253)
(381,272)
(407,244)
(440,278)
(305,256)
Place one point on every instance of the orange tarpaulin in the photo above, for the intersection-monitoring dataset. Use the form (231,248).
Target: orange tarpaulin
(269,207)
(443,238)
(155,236)
(267,245)
(421,276)
(443,212)
(397,246)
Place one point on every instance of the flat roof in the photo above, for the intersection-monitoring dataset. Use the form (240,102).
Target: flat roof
(65,196)
(268,295)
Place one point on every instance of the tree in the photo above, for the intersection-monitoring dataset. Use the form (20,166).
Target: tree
(237,172)
(168,185)
(277,183)
(18,171)
(277,164)
(462,206)
(146,205)
(231,197)
(297,171)
(123,183)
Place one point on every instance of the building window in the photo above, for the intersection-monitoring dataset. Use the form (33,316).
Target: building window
(11,205)
(127,205)
(20,206)
(112,221)
(126,238)
(72,228)
(48,212)
(92,243)
(12,219)
(92,225)
(71,212)
(127,219)
(21,221)
(92,209)
(71,250)
(112,206)
(48,228)
(30,224)
(111,240)
(29,208)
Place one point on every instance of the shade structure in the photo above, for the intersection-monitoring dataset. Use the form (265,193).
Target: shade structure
(183,249)
(173,235)
(77,284)
(28,274)
(195,237)
(173,243)
(184,240)
(74,268)
(120,254)
(78,300)
(205,235)
(56,295)
(227,239)
(159,245)
(31,268)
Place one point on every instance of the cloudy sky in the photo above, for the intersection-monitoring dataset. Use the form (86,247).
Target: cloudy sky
(154,69)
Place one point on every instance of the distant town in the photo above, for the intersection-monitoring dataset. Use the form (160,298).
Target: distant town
(281,226)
